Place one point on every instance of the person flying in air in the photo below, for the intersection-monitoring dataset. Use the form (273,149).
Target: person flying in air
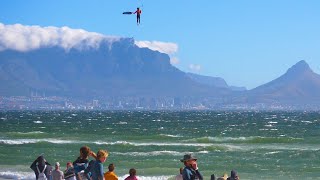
(138,12)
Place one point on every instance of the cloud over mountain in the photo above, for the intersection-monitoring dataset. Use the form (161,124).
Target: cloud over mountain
(194,67)
(163,47)
(24,38)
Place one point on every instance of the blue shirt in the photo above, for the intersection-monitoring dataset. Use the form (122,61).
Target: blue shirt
(97,170)
(191,174)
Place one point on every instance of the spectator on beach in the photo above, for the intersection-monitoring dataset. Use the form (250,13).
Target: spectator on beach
(234,176)
(190,171)
(57,174)
(213,177)
(179,176)
(110,175)
(224,177)
(42,169)
(132,175)
(81,163)
(69,172)
(97,168)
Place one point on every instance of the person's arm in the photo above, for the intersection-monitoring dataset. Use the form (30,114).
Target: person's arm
(92,154)
(199,174)
(34,165)
(135,12)
(196,170)
(100,174)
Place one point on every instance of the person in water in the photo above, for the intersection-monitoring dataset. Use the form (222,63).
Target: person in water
(138,12)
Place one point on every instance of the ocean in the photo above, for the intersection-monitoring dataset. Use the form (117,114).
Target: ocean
(258,145)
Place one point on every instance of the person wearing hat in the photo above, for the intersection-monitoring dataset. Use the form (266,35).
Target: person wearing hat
(57,174)
(190,171)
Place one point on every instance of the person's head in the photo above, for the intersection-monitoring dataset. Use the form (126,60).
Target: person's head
(57,165)
(69,164)
(111,167)
(84,152)
(188,160)
(41,160)
(132,172)
(102,155)
(138,8)
(234,173)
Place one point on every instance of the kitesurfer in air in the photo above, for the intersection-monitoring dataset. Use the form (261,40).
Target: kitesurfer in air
(138,12)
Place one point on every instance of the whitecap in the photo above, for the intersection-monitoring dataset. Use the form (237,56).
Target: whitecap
(33,141)
(37,122)
(152,153)
(148,177)
(273,122)
(203,152)
(17,175)
(32,132)
(169,135)
(308,122)
(273,152)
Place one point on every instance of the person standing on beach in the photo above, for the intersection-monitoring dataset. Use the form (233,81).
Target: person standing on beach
(69,172)
(190,171)
(234,175)
(57,174)
(40,166)
(110,175)
(97,167)
(81,163)
(132,175)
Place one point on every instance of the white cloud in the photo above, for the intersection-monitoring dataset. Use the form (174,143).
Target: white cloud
(163,47)
(24,38)
(195,67)
(174,60)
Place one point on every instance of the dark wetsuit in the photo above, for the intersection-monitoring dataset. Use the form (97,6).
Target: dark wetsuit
(138,12)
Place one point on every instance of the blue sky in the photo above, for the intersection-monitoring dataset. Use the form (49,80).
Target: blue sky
(246,42)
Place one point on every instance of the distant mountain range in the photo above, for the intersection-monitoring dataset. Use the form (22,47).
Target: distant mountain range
(122,69)
(213,82)
(299,85)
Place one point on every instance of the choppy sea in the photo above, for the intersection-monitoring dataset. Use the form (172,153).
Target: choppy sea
(258,145)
